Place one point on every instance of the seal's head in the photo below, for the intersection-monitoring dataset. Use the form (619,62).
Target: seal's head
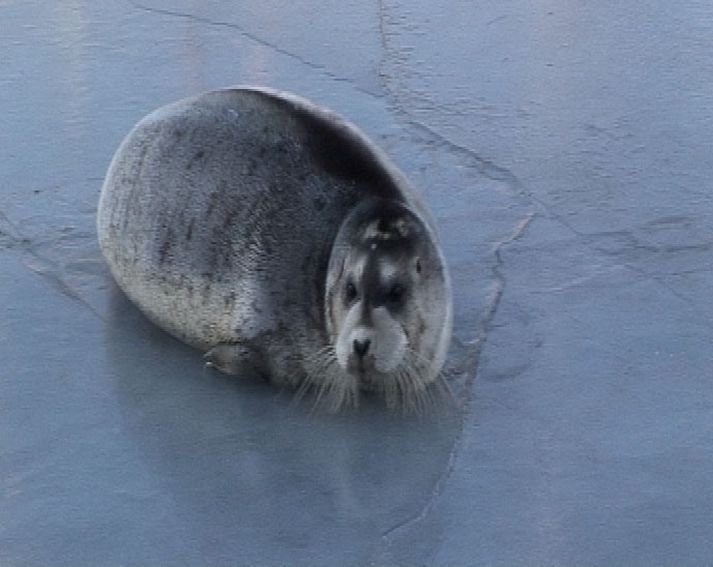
(387,307)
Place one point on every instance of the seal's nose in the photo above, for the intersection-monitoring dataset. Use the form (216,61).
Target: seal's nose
(361,347)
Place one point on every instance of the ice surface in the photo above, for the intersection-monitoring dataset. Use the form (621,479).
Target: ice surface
(566,151)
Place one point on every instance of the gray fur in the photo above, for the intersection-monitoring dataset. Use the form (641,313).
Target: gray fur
(218,217)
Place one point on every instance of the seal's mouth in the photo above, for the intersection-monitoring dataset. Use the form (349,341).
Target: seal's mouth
(361,366)
(366,375)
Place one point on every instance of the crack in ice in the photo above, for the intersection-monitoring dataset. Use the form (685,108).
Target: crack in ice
(476,347)
(255,38)
(42,266)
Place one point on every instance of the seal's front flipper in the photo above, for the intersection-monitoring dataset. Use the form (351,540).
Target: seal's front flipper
(233,358)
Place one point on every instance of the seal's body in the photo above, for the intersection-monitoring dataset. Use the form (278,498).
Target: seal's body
(233,220)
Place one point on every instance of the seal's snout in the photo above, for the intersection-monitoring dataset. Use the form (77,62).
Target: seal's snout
(361,347)
(361,357)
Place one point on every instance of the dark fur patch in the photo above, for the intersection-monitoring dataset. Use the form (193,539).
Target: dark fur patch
(339,152)
(165,247)
(319,203)
(196,157)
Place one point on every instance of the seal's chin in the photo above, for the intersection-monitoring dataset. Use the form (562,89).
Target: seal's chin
(363,371)
(368,381)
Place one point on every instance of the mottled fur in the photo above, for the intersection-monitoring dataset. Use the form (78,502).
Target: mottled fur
(220,215)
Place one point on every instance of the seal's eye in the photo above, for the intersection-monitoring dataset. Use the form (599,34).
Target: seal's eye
(350,292)
(396,293)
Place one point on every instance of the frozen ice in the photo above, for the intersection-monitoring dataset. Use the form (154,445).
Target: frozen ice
(565,151)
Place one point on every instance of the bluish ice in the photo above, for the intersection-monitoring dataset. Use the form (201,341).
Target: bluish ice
(566,150)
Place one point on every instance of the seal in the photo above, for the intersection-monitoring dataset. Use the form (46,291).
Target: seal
(273,234)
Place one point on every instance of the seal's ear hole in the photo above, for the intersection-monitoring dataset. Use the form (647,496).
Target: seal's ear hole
(418,265)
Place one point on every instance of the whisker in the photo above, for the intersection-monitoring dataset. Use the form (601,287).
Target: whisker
(409,389)
(316,372)
(333,390)
(415,394)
